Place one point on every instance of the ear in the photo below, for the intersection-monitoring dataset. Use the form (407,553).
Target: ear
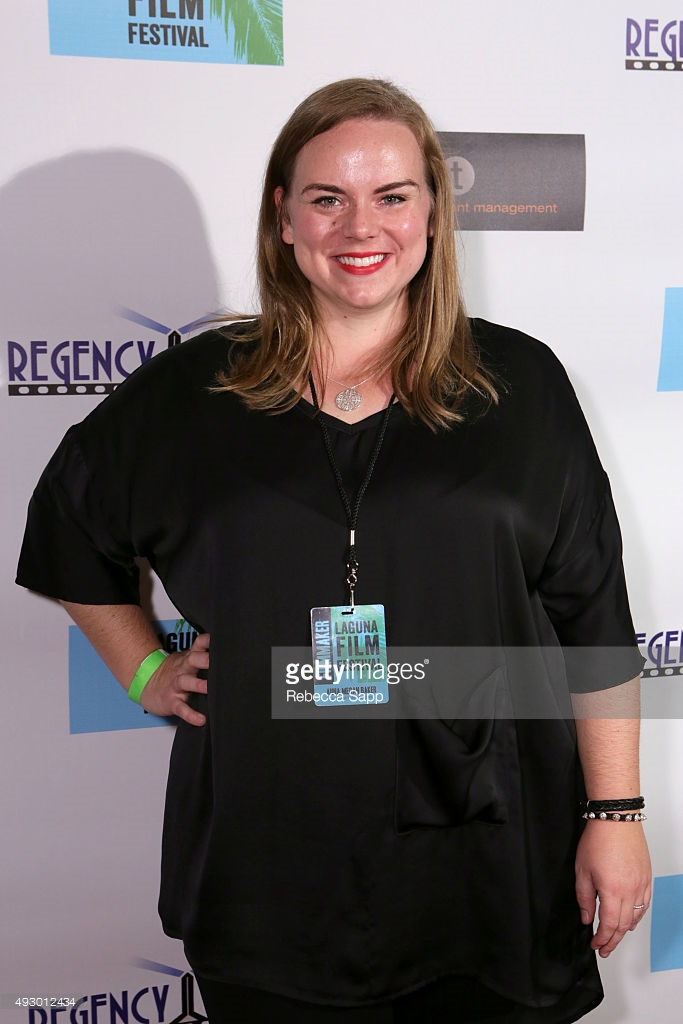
(285,224)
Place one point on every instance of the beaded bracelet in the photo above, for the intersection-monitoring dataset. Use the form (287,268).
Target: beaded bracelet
(604,816)
(145,672)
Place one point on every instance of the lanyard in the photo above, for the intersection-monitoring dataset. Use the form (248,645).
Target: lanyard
(350,510)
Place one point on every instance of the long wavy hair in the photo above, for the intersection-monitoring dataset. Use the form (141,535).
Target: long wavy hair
(434,361)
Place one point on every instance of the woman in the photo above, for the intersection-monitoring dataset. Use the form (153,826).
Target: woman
(367,870)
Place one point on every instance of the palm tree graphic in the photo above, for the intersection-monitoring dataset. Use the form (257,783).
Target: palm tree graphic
(255,27)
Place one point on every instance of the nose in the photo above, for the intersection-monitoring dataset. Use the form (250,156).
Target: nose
(361,221)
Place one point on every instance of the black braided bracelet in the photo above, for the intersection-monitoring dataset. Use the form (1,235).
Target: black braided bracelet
(635,803)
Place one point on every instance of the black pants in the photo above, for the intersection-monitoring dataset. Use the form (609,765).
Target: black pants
(452,1000)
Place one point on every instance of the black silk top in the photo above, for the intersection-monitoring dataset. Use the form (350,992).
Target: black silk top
(347,861)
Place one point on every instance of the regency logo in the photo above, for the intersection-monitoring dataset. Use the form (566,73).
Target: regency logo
(85,366)
(663,651)
(654,44)
(662,674)
(151,1004)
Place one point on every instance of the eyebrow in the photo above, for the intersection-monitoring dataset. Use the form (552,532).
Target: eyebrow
(391,187)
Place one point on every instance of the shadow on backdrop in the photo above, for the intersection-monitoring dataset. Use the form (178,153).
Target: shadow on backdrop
(93,231)
(82,238)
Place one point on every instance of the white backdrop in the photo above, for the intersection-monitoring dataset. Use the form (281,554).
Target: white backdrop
(135,183)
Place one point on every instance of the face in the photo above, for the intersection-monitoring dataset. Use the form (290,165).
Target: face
(358,216)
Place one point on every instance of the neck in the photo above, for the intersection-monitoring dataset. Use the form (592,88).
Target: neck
(353,344)
(355,349)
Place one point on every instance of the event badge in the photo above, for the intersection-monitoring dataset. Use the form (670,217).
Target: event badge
(349,655)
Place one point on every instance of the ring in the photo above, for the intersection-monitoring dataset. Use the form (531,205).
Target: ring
(641,906)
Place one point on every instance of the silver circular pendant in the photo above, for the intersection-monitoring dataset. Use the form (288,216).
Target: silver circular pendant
(348,400)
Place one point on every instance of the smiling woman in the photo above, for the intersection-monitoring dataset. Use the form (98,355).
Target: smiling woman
(435,867)
(358,215)
(358,278)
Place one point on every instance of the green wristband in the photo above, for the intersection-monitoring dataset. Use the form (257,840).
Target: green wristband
(145,673)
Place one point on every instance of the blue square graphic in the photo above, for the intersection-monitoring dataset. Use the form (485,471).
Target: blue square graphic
(671,360)
(96,701)
(666,941)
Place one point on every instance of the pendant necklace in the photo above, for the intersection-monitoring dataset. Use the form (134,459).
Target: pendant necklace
(350,398)
(349,642)
(350,510)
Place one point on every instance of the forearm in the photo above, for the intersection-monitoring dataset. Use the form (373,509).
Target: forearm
(121,634)
(612,860)
(608,736)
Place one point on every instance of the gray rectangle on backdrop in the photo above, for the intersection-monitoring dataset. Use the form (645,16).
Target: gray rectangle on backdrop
(517,182)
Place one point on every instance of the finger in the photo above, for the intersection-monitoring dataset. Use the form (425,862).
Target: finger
(188,714)
(176,705)
(615,919)
(640,909)
(187,682)
(201,642)
(609,913)
(198,655)
(586,898)
(587,909)
(647,899)
(198,660)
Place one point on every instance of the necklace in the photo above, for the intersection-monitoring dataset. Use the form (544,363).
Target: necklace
(351,510)
(350,398)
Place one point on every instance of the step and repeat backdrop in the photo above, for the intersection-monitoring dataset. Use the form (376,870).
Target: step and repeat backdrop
(135,133)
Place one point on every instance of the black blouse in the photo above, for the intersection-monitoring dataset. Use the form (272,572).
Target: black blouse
(346,861)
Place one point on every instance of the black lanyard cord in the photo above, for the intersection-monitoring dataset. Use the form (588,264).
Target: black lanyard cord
(351,511)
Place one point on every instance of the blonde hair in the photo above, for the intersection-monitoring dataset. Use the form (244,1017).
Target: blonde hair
(434,359)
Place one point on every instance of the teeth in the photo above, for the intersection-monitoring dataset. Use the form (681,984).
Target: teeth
(361,261)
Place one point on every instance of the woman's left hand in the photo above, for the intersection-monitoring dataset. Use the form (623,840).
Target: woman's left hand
(613,868)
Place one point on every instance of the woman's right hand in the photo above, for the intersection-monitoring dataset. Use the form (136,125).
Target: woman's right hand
(168,689)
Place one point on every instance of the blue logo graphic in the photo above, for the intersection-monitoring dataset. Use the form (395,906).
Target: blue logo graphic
(147,1004)
(174,337)
(87,366)
(206,31)
(666,943)
(188,1014)
(671,361)
(96,701)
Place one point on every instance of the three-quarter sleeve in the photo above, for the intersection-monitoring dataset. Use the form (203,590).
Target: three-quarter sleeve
(71,550)
(583,586)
